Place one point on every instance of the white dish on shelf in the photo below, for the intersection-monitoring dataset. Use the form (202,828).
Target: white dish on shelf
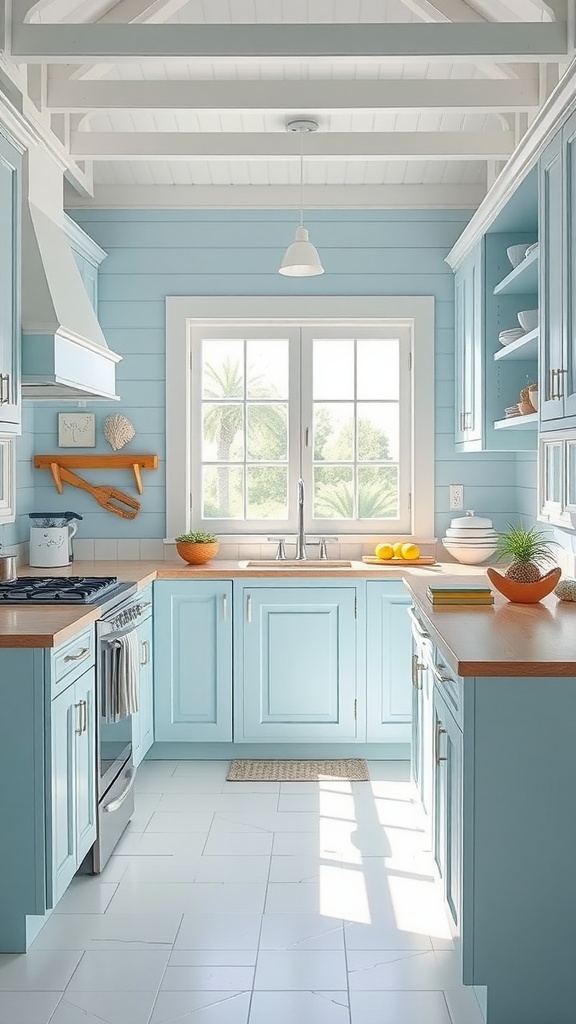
(516,254)
(528,319)
(507,337)
(470,535)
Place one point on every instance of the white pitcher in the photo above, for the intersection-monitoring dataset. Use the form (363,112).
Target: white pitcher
(51,546)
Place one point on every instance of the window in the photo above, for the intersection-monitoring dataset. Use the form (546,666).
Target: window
(268,399)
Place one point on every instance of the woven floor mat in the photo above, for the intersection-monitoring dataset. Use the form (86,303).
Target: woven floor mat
(355,769)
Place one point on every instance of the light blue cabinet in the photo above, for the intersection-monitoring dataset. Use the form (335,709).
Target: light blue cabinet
(48,804)
(193,660)
(447,812)
(73,782)
(485,383)
(296,659)
(10,325)
(143,721)
(557,183)
(388,653)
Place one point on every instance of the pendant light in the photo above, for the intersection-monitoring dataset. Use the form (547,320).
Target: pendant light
(301,259)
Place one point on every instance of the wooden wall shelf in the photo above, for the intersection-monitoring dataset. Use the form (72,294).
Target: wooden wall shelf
(129,461)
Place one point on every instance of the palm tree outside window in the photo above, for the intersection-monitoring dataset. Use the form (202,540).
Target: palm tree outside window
(330,405)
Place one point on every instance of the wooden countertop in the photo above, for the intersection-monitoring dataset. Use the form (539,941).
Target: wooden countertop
(503,639)
(506,639)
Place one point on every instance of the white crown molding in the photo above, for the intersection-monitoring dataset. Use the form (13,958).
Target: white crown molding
(82,242)
(277,197)
(558,107)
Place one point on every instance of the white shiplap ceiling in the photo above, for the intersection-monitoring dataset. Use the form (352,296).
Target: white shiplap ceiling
(445,145)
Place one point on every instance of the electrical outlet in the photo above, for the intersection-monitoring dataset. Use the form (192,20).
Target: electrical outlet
(456,497)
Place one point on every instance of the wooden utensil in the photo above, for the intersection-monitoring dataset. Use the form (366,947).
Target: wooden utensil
(126,506)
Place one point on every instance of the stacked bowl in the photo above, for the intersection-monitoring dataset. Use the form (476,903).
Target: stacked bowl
(470,539)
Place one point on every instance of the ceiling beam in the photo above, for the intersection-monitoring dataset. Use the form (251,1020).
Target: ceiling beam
(278,146)
(312,95)
(453,43)
(280,197)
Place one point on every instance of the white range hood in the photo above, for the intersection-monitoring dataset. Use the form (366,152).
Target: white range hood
(64,352)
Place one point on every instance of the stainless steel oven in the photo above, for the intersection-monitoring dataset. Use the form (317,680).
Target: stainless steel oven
(115,771)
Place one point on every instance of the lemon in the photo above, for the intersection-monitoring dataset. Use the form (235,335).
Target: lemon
(410,551)
(398,549)
(384,551)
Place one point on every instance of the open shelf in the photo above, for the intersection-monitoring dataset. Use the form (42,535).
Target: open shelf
(517,422)
(523,280)
(525,347)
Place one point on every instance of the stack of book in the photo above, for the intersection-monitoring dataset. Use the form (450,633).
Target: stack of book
(459,593)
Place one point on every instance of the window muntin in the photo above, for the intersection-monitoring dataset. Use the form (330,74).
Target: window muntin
(272,403)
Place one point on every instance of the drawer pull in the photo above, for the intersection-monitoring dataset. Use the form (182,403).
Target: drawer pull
(145,652)
(249,608)
(224,607)
(77,657)
(438,675)
(114,805)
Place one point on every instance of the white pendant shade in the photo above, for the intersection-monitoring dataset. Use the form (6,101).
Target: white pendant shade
(301,259)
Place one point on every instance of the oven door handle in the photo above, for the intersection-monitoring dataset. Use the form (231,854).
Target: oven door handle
(115,804)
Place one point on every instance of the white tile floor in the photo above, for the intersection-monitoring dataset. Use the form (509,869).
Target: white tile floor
(240,903)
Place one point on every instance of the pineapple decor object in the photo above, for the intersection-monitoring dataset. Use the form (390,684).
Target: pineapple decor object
(525,580)
(529,551)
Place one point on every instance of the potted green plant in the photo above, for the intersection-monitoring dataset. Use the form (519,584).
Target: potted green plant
(526,579)
(197,547)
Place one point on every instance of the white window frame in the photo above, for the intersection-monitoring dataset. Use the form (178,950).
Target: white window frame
(186,314)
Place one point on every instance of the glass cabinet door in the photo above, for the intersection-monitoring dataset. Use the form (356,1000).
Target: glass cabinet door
(551,459)
(570,457)
(7,480)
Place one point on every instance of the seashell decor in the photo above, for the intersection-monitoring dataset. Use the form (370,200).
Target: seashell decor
(118,430)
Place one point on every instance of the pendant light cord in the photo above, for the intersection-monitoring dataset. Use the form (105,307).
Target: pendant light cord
(301,179)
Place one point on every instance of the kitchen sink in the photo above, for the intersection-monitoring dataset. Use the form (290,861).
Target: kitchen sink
(292,563)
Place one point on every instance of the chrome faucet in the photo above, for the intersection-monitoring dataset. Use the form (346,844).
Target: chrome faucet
(300,538)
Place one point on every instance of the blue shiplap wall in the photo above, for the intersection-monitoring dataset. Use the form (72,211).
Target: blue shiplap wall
(154,253)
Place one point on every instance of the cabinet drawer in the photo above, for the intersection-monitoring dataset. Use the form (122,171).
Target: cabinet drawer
(72,659)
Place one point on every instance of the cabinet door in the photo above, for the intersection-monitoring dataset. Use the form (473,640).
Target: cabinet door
(193,660)
(9,287)
(66,721)
(551,476)
(143,722)
(567,383)
(85,766)
(468,308)
(298,664)
(389,649)
(551,262)
(448,807)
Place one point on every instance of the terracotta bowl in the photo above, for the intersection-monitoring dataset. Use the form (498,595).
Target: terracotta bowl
(196,554)
(524,593)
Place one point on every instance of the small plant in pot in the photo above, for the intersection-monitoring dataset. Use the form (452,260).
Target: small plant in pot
(525,580)
(197,547)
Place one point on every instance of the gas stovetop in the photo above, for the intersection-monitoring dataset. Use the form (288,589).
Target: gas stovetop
(62,590)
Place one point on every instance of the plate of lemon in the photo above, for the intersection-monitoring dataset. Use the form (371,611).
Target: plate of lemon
(399,553)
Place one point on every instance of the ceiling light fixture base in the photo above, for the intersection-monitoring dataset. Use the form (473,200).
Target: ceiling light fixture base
(302,124)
